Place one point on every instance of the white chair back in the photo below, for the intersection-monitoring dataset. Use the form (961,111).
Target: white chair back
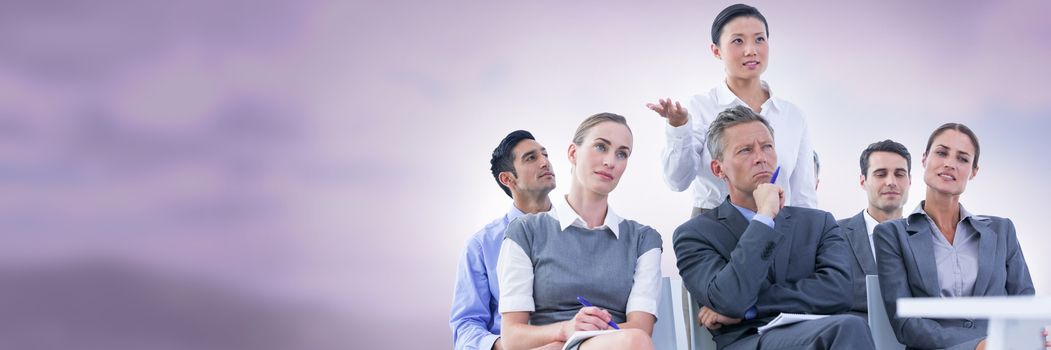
(700,337)
(669,333)
(879,323)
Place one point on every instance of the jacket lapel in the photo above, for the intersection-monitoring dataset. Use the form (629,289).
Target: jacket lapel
(919,231)
(858,236)
(733,222)
(986,253)
(783,223)
(732,219)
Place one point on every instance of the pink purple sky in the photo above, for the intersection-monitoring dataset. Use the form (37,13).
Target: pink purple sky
(304,174)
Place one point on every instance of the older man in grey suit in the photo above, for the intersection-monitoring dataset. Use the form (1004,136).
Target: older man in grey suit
(751,258)
(886,171)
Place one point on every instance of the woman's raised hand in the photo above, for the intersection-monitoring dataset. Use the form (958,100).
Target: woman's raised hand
(672,111)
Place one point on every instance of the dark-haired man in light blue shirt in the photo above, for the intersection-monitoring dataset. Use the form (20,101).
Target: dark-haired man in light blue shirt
(521,168)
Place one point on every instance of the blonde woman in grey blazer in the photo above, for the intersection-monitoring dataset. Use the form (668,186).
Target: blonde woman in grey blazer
(942,250)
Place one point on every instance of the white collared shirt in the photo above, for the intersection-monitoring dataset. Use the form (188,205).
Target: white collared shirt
(686,159)
(562,210)
(515,269)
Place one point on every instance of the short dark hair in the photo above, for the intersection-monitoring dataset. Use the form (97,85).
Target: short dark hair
(504,157)
(961,128)
(885,146)
(724,120)
(734,11)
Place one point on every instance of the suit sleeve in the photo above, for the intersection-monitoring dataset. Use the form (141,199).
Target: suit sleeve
(894,284)
(1019,282)
(827,291)
(729,286)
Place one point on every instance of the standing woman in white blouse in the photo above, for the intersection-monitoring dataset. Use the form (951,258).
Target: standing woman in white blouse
(581,248)
(740,38)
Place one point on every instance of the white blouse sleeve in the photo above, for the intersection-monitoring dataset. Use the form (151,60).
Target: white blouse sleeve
(514,271)
(681,157)
(647,283)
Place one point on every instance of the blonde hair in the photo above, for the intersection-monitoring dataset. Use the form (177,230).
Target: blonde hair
(590,122)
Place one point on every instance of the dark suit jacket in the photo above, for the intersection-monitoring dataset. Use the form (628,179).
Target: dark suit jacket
(730,265)
(906,267)
(857,236)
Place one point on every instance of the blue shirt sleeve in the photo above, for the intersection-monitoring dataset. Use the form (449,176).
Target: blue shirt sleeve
(750,313)
(764,219)
(471,314)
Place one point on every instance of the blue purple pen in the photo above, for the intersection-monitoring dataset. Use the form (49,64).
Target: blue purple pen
(586,303)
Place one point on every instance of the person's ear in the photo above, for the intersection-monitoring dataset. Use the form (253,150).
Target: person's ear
(717,169)
(507,179)
(974,173)
(572,153)
(716,52)
(862,181)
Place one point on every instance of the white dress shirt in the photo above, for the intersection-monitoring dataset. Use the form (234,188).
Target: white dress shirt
(515,270)
(686,159)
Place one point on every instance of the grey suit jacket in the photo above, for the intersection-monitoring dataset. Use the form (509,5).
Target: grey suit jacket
(857,236)
(907,269)
(730,265)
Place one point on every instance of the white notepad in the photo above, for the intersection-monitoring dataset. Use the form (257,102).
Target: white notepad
(786,319)
(580,336)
